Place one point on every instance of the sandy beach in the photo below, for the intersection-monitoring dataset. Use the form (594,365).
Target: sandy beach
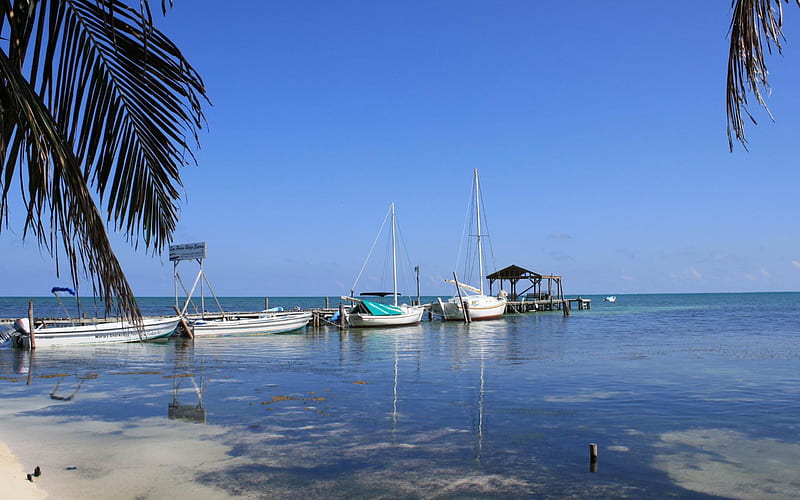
(15,483)
(91,459)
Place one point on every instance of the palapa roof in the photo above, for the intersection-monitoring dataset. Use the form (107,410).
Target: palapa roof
(513,272)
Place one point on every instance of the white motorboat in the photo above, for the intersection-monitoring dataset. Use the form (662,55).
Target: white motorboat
(93,333)
(278,322)
(366,313)
(610,298)
(479,306)
(223,324)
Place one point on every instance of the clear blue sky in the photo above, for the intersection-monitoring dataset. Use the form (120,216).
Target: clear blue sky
(598,129)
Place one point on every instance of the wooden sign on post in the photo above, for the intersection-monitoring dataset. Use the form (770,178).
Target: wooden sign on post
(187,251)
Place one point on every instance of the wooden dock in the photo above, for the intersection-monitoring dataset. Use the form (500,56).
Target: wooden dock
(551,304)
(327,316)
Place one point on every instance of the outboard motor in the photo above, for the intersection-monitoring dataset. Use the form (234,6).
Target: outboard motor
(22,325)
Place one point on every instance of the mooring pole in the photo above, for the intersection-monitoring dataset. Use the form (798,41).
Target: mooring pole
(31,333)
(342,318)
(419,299)
(464,305)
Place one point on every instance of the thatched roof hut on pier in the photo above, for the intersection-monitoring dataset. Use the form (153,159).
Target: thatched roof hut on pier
(535,289)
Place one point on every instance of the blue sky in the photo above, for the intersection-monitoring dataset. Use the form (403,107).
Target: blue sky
(598,130)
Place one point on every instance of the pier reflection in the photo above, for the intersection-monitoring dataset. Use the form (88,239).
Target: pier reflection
(195,413)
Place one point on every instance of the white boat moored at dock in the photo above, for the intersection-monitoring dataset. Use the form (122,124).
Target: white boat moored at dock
(279,322)
(93,333)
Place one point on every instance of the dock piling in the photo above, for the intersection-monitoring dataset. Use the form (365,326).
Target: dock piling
(31,325)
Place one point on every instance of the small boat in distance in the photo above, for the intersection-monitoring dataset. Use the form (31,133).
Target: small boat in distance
(610,298)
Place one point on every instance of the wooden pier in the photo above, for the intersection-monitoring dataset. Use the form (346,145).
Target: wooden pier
(329,316)
(551,304)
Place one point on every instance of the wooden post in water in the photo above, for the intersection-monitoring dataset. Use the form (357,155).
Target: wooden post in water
(31,328)
(186,327)
(592,457)
(342,318)
(464,305)
(327,302)
(266,303)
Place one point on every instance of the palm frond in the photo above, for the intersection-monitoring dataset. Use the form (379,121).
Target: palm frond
(95,101)
(53,179)
(755,24)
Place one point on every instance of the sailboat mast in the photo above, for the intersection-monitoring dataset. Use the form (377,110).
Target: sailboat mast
(480,245)
(394,258)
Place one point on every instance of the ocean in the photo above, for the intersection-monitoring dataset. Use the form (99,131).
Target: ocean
(685,396)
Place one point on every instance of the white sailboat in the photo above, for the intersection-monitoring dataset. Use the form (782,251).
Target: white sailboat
(478,305)
(367,313)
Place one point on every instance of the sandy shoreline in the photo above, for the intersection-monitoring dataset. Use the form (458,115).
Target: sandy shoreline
(15,483)
(90,459)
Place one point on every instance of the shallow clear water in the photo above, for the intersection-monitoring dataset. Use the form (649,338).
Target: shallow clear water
(685,395)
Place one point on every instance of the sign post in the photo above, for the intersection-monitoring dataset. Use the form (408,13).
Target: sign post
(187,251)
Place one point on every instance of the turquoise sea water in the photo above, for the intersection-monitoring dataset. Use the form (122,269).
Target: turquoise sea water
(686,396)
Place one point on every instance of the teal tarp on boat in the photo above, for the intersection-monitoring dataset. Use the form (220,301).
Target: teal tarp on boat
(377,309)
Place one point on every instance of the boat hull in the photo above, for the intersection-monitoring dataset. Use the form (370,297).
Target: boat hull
(98,333)
(279,323)
(410,316)
(480,307)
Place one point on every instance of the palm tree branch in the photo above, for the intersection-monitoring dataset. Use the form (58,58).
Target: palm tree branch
(116,74)
(56,186)
(754,25)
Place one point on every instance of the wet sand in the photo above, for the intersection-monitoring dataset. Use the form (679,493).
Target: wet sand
(15,483)
(98,460)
